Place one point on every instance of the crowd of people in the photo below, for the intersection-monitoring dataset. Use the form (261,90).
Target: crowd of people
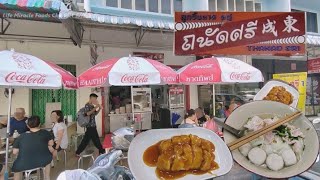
(46,143)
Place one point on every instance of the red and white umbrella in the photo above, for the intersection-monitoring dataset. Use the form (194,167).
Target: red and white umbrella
(127,71)
(219,70)
(23,70)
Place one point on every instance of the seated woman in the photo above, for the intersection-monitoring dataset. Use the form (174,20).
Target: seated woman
(200,115)
(190,118)
(34,149)
(59,131)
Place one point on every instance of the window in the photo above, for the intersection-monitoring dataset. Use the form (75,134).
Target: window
(212,5)
(312,24)
(126,4)
(177,5)
(112,3)
(313,91)
(257,7)
(166,6)
(80,1)
(231,5)
(153,6)
(141,5)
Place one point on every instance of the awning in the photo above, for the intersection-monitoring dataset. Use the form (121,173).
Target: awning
(41,10)
(119,20)
(313,39)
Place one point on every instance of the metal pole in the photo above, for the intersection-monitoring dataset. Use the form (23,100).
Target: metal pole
(6,174)
(213,100)
(132,106)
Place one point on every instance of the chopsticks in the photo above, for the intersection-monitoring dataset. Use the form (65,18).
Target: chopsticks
(253,135)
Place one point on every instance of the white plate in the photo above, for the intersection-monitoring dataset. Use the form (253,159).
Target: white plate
(239,118)
(269,85)
(146,139)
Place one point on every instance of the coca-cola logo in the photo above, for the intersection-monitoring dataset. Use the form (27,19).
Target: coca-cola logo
(206,66)
(240,76)
(23,61)
(131,79)
(14,77)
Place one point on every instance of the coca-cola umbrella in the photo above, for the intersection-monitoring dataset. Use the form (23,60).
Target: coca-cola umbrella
(219,70)
(128,71)
(23,70)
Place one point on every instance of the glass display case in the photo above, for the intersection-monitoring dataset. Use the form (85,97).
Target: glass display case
(176,97)
(142,99)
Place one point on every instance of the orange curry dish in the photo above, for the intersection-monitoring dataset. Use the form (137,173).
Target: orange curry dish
(279,94)
(181,155)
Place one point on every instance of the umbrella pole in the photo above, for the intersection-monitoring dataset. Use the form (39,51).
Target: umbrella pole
(132,106)
(6,174)
(214,100)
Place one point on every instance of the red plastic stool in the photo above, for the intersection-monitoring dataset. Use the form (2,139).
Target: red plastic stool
(107,144)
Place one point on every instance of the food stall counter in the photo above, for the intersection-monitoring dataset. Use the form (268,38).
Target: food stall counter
(121,120)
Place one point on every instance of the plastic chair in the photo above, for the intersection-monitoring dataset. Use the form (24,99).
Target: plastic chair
(85,154)
(75,139)
(65,158)
(27,173)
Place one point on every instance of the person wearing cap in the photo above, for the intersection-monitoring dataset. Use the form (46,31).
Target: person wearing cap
(92,108)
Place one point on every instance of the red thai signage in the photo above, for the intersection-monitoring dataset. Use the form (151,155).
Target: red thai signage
(154,56)
(314,66)
(176,90)
(240,33)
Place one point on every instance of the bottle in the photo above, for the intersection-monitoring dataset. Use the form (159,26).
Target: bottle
(15,134)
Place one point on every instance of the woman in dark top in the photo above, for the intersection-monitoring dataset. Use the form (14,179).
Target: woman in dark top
(34,149)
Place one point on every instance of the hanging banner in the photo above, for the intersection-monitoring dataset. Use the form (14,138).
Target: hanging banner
(299,81)
(313,66)
(240,33)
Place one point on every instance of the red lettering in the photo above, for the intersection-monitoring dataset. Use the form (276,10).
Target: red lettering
(28,79)
(240,76)
(141,78)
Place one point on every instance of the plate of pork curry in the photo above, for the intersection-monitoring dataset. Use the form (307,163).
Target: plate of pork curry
(186,154)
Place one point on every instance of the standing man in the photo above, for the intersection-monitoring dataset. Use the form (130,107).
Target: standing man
(92,108)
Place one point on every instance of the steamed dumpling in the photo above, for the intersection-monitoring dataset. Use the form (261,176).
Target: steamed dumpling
(289,157)
(298,148)
(255,123)
(275,162)
(257,156)
(244,150)
(267,148)
(278,145)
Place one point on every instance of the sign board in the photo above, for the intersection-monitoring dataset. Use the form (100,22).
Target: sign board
(240,33)
(154,56)
(299,81)
(313,66)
